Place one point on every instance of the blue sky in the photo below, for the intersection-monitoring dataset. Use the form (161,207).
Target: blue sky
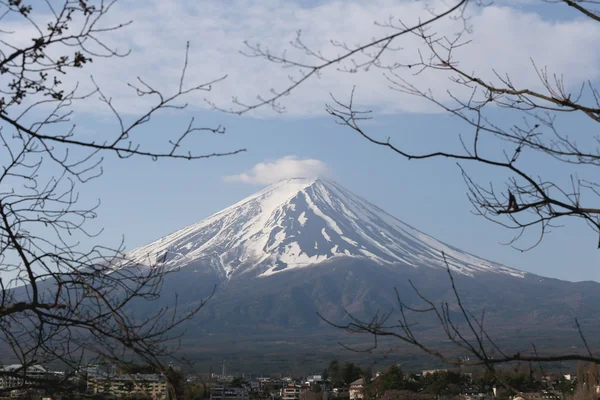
(145,200)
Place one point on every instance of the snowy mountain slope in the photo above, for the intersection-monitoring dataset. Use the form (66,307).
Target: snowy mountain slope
(298,223)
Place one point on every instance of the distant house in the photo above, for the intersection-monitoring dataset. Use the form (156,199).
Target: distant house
(16,375)
(125,385)
(432,371)
(15,378)
(543,395)
(221,392)
(291,392)
(254,385)
(271,385)
(357,389)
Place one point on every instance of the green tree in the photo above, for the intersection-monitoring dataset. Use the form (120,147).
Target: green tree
(566,387)
(523,382)
(133,368)
(335,374)
(238,382)
(177,383)
(393,379)
(195,391)
(367,374)
(350,373)
(442,383)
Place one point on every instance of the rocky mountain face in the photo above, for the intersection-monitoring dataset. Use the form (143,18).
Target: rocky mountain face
(302,246)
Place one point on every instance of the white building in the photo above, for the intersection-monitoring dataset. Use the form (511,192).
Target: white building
(357,389)
(15,375)
(152,385)
(290,392)
(220,392)
(314,378)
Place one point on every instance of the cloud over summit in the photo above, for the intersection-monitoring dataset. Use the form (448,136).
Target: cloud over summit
(268,172)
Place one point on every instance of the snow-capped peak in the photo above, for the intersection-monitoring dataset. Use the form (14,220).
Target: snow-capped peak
(300,222)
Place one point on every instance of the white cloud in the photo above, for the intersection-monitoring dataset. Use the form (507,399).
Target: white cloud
(287,167)
(505,39)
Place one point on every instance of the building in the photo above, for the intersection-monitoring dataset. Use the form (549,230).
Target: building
(221,392)
(17,377)
(543,395)
(340,392)
(357,389)
(432,371)
(290,392)
(271,385)
(153,386)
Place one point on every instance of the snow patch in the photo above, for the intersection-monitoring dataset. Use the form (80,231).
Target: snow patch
(302,218)
(320,213)
(325,235)
(352,242)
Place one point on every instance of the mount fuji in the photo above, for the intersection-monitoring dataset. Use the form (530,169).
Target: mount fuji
(298,223)
(302,246)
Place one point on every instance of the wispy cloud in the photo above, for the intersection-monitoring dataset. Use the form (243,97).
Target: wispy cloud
(505,39)
(265,173)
